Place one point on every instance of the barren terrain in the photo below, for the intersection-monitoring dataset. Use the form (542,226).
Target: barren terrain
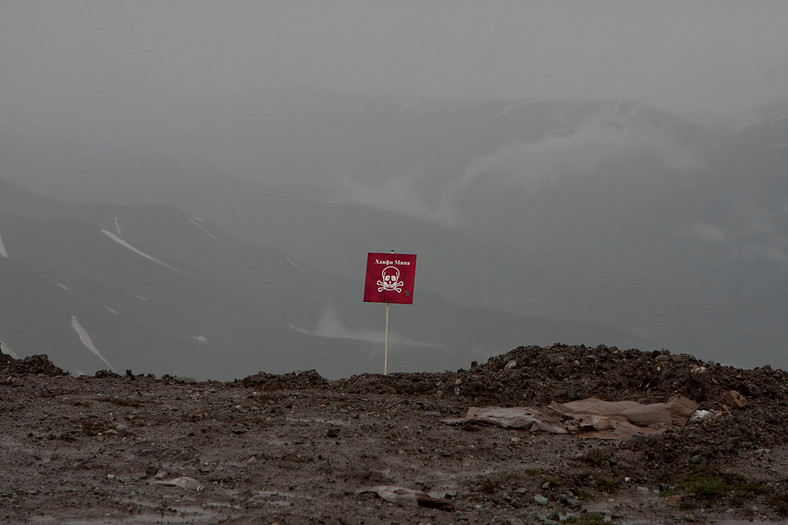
(298,448)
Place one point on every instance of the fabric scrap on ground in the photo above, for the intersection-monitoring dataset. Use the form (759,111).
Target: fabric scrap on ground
(589,418)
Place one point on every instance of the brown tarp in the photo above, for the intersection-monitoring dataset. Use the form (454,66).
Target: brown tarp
(590,417)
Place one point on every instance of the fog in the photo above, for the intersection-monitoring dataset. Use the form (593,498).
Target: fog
(630,157)
(717,62)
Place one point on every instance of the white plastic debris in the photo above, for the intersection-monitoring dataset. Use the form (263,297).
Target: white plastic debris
(699,415)
(406,496)
(184,482)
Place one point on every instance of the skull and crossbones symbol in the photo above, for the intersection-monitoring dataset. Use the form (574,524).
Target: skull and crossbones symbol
(390,282)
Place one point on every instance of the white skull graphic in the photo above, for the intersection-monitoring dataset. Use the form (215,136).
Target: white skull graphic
(390,282)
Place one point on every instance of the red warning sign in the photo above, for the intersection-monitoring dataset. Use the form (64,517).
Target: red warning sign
(390,278)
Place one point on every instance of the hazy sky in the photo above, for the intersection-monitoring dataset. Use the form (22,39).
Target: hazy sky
(714,61)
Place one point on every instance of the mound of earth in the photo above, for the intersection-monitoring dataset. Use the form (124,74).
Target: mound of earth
(297,448)
(31,365)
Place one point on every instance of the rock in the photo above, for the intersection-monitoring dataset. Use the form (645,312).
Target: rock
(541,500)
(734,398)
(512,521)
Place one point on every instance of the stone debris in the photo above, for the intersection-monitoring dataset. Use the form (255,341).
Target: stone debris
(297,448)
(734,399)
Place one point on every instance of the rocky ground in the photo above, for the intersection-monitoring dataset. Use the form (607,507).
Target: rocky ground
(298,448)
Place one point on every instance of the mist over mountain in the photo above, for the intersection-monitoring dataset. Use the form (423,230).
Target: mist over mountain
(150,288)
(232,235)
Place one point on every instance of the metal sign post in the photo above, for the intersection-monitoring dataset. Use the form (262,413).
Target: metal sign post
(386,355)
(389,280)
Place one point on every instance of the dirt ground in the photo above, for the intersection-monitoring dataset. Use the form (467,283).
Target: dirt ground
(297,448)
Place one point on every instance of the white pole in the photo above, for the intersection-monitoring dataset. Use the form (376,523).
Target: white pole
(386,351)
(386,355)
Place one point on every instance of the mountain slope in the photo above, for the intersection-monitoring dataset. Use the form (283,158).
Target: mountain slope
(606,213)
(153,289)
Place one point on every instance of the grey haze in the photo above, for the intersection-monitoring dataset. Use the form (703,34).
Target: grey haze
(583,172)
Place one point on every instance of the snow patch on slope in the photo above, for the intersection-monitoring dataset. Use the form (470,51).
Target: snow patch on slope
(778,119)
(523,166)
(332,327)
(87,342)
(414,105)
(123,243)
(62,285)
(7,350)
(3,252)
(196,221)
(515,105)
(293,264)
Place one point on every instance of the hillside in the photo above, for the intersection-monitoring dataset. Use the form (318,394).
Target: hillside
(103,286)
(613,214)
